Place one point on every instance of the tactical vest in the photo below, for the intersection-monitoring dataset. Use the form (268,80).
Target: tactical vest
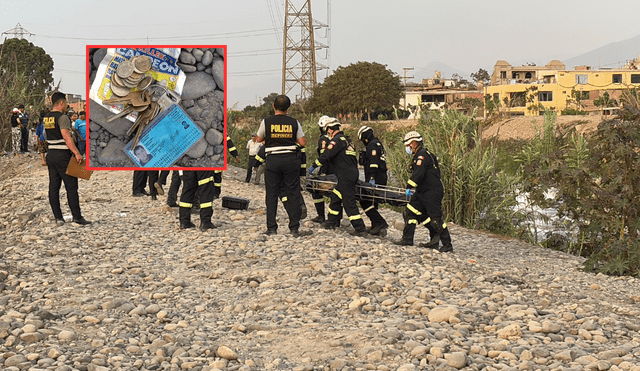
(53,132)
(281,134)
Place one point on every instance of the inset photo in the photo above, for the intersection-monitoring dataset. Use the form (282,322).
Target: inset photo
(156,107)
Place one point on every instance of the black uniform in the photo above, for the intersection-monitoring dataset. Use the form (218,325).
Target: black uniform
(342,157)
(260,158)
(217,174)
(140,178)
(425,206)
(375,168)
(23,120)
(202,182)
(282,169)
(58,158)
(318,198)
(176,181)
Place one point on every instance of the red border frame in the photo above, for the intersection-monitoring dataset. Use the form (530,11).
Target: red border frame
(88,73)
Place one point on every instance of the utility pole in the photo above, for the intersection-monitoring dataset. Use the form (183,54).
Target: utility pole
(299,57)
(405,77)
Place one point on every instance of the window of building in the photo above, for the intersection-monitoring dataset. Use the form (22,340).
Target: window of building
(545,96)
(527,75)
(515,75)
(617,78)
(503,74)
(496,97)
(437,98)
(582,79)
(635,78)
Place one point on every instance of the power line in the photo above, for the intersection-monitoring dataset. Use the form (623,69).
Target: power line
(261,32)
(137,25)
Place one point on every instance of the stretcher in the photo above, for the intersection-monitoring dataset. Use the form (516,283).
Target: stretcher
(324,185)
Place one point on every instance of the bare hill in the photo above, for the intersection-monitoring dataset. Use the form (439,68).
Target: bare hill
(522,127)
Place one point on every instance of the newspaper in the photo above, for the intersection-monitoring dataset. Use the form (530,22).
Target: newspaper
(164,69)
(165,139)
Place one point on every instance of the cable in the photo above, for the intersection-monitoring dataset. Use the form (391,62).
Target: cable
(137,25)
(268,32)
(273,22)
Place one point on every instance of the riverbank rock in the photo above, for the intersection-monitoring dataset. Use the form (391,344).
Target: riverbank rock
(133,291)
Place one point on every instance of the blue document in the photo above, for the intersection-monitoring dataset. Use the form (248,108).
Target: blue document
(165,139)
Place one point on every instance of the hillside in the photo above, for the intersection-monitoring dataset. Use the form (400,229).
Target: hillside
(521,127)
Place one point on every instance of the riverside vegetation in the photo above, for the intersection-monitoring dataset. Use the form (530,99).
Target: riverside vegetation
(593,179)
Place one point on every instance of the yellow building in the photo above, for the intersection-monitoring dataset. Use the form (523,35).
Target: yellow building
(523,90)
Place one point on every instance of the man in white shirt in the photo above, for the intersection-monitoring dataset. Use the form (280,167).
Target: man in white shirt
(253,146)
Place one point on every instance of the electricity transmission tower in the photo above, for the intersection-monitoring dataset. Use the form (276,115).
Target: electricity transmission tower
(18,32)
(299,55)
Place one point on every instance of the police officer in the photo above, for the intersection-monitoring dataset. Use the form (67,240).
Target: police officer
(23,120)
(217,174)
(375,173)
(197,181)
(260,158)
(280,134)
(425,206)
(342,156)
(61,150)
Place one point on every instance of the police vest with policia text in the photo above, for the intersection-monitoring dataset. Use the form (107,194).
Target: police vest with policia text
(53,132)
(281,133)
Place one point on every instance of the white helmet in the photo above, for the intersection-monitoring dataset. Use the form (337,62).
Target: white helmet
(324,120)
(411,136)
(362,131)
(333,122)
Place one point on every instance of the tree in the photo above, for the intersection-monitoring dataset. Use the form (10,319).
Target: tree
(605,101)
(25,78)
(481,76)
(21,56)
(357,88)
(269,99)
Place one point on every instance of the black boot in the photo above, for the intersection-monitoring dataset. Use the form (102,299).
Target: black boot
(205,225)
(303,207)
(185,218)
(205,218)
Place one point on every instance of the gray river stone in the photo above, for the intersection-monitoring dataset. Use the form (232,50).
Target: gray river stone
(98,56)
(100,114)
(197,54)
(214,137)
(94,126)
(194,112)
(113,154)
(198,149)
(187,68)
(186,57)
(197,84)
(217,70)
(207,58)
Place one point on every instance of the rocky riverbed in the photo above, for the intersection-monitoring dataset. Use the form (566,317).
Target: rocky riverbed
(133,292)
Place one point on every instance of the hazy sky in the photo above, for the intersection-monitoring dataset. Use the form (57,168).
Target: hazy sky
(466,35)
